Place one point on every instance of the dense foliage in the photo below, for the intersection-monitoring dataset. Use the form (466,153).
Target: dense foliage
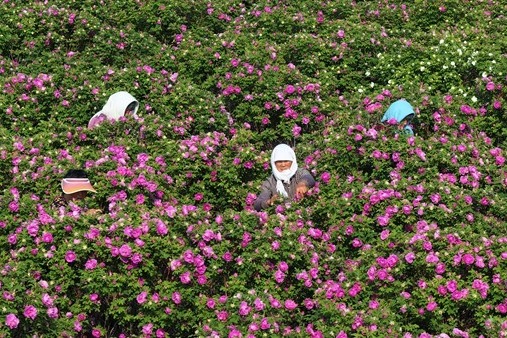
(401,237)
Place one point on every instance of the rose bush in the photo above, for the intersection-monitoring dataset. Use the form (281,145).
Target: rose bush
(402,236)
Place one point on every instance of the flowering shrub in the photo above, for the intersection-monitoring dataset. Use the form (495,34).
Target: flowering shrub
(402,236)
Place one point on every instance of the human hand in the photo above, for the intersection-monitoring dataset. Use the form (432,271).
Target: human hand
(301,190)
(273,199)
(93,212)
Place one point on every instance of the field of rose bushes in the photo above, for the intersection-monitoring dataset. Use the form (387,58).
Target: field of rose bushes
(401,236)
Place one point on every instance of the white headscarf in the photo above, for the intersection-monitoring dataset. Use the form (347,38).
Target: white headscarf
(283,152)
(115,107)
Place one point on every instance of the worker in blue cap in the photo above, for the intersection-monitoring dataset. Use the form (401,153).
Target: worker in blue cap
(400,113)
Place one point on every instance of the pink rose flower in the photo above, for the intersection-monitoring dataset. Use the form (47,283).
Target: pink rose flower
(70,256)
(30,312)
(11,321)
(290,304)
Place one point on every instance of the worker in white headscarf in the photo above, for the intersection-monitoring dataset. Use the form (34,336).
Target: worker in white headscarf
(287,181)
(119,104)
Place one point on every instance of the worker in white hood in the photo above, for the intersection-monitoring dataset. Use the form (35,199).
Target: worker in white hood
(119,104)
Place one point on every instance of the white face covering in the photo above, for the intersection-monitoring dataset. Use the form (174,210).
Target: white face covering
(283,152)
(115,108)
(116,105)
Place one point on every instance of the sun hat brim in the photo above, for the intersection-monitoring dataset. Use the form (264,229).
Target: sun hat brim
(72,185)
